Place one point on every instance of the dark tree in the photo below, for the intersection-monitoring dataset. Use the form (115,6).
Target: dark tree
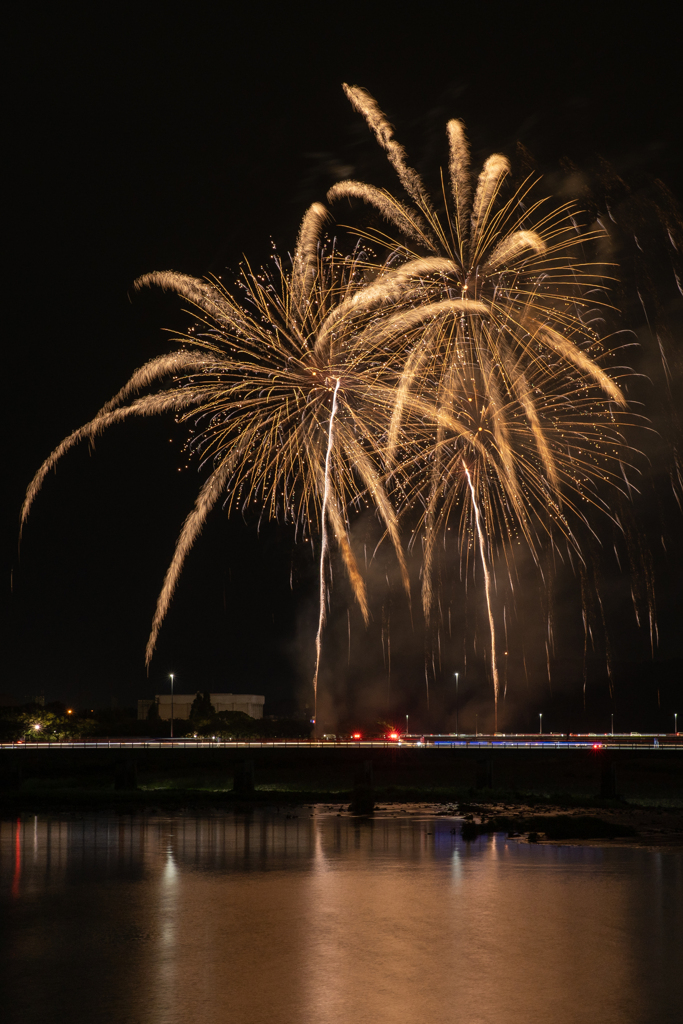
(202,709)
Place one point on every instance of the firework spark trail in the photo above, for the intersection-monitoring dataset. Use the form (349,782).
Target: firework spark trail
(324,549)
(252,383)
(487,588)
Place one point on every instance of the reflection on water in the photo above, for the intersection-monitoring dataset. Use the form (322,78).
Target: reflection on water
(320,918)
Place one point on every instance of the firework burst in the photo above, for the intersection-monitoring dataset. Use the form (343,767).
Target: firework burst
(285,400)
(504,369)
(465,378)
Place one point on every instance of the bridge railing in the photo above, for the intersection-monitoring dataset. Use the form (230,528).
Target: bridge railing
(667,743)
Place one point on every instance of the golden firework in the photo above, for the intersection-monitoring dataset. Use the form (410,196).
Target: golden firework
(285,399)
(465,378)
(494,314)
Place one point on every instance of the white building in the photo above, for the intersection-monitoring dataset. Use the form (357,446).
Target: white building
(250,703)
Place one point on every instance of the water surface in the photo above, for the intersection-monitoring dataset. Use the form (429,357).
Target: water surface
(324,918)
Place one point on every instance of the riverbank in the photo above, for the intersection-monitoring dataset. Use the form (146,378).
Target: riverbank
(557,823)
(525,817)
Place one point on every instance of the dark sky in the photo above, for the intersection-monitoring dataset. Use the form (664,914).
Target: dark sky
(159,136)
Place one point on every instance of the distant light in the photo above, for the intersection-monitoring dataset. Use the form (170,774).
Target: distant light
(356,736)
(37,725)
(596,746)
(393,735)
(69,711)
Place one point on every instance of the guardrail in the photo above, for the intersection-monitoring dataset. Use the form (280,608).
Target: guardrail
(663,743)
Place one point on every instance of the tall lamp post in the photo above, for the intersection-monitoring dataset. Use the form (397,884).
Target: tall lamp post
(406,725)
(540,723)
(676,723)
(457,730)
(613,723)
(171,705)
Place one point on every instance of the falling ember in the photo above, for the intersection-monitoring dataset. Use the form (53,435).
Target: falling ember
(324,549)
(487,588)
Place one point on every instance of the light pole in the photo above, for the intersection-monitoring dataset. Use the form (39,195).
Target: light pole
(171,705)
(676,724)
(407,730)
(613,723)
(457,674)
(476,725)
(540,723)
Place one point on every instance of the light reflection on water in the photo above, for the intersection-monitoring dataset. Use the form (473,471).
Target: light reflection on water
(319,918)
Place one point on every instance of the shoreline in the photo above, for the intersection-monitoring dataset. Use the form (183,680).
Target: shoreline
(478,814)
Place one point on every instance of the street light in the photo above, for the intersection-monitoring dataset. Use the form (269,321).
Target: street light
(171,705)
(407,725)
(676,723)
(613,723)
(457,674)
(540,723)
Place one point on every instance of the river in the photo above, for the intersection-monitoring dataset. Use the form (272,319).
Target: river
(312,917)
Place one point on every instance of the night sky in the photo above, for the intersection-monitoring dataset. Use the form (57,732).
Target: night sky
(158,137)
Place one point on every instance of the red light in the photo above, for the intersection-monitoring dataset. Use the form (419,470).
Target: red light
(596,746)
(356,736)
(393,735)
